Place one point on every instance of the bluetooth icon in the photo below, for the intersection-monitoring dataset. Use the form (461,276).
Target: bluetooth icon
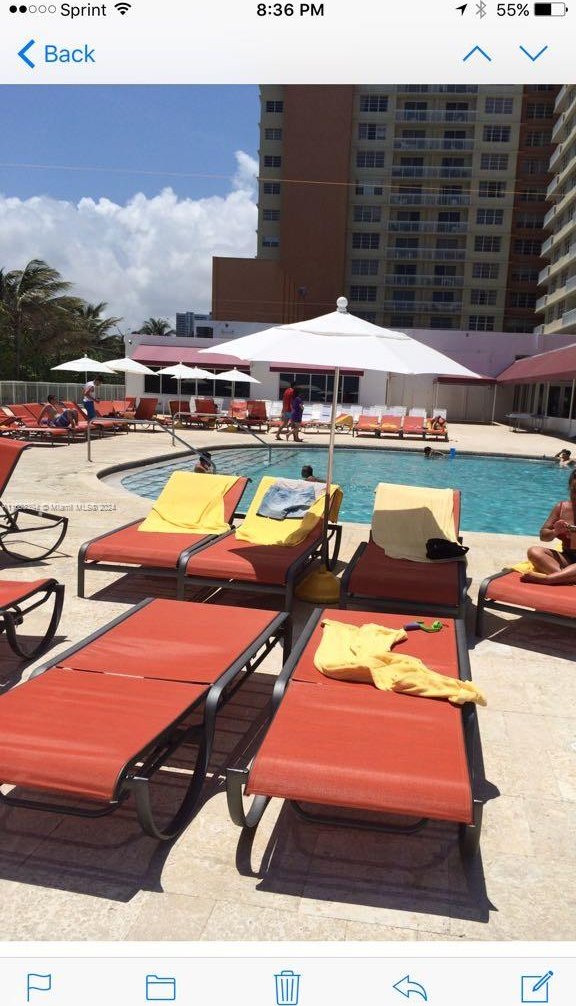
(481,9)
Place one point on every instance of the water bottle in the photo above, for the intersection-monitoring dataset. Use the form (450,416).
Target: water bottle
(452,453)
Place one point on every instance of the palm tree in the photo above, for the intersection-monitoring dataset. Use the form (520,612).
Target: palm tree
(35,307)
(97,328)
(156,326)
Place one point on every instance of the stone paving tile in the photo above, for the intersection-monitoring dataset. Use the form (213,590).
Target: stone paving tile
(68,878)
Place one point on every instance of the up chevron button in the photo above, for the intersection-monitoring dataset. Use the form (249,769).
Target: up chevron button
(479,50)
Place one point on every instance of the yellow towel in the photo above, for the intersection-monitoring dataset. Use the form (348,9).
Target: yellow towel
(362,653)
(264,531)
(192,502)
(405,517)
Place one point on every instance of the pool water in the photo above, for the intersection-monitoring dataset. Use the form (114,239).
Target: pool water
(501,495)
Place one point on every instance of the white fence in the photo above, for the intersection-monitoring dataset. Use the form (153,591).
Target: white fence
(18,392)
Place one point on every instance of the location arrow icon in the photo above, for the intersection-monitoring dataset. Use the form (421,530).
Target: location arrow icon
(408,988)
(462,8)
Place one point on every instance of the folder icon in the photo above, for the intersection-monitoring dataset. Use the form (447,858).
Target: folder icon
(160,990)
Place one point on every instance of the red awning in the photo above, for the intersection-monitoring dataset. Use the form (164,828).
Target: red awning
(556,365)
(162,356)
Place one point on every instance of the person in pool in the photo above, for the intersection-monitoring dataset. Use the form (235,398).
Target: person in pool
(551,567)
(205,465)
(564,459)
(308,475)
(430,453)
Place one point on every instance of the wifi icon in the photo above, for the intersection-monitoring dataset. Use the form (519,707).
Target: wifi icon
(122,8)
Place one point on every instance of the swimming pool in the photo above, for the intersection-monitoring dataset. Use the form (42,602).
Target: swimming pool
(502,495)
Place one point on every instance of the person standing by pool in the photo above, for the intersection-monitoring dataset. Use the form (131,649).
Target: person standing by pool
(552,567)
(89,399)
(287,399)
(296,418)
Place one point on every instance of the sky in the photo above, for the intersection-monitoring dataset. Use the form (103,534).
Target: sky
(129,191)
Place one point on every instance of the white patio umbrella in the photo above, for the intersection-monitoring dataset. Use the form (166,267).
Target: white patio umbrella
(341,341)
(183,373)
(128,366)
(85,364)
(236,375)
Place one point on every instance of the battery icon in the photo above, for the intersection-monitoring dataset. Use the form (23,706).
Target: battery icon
(550,9)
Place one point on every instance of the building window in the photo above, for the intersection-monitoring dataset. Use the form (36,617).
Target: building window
(275,106)
(369,158)
(365,266)
(539,111)
(524,276)
(485,270)
(496,134)
(499,106)
(540,139)
(370,188)
(204,332)
(268,241)
(493,217)
(559,397)
(532,195)
(494,162)
(487,243)
(443,296)
(272,134)
(369,240)
(402,320)
(484,297)
(527,300)
(441,321)
(523,247)
(320,387)
(367,214)
(272,161)
(270,214)
(492,190)
(373,102)
(370,131)
(363,293)
(271,188)
(366,315)
(529,221)
(481,322)
(534,167)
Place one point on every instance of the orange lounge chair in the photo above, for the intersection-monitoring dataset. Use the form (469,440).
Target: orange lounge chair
(14,606)
(367,424)
(29,426)
(343,746)
(11,530)
(206,413)
(145,410)
(374,580)
(158,553)
(392,425)
(505,591)
(436,434)
(414,426)
(232,563)
(256,414)
(99,722)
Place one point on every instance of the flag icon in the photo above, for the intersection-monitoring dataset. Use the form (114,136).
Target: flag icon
(37,983)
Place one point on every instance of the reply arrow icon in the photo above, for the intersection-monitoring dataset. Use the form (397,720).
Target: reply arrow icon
(408,988)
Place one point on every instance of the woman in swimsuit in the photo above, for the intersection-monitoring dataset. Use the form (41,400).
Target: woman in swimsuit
(559,568)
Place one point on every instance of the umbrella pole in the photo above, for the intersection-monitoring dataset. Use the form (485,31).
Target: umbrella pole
(327,501)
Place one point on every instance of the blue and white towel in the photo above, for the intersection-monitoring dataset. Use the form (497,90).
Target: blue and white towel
(289,499)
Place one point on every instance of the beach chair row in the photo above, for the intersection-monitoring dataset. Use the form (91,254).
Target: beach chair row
(23,421)
(395,421)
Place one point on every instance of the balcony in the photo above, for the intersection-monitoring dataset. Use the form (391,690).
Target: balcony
(407,143)
(560,293)
(567,320)
(427,254)
(427,199)
(431,115)
(424,306)
(427,227)
(556,155)
(437,88)
(441,281)
(541,303)
(561,263)
(418,171)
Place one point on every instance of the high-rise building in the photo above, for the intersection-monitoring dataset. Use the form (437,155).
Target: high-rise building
(423,204)
(558,304)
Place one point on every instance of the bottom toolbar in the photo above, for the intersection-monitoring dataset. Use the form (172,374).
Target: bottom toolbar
(258,981)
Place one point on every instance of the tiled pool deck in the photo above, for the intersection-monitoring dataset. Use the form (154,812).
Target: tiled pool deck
(62,878)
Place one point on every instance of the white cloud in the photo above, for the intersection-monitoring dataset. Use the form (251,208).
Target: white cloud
(150,257)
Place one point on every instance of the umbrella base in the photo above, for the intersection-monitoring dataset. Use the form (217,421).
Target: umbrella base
(319,587)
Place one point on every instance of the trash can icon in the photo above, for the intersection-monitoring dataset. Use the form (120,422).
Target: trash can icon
(287,988)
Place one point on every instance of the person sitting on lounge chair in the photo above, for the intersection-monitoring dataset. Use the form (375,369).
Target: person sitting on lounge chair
(564,459)
(308,475)
(430,453)
(552,567)
(205,465)
(56,414)
(438,424)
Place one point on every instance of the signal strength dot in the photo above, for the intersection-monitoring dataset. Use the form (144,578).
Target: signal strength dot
(122,8)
